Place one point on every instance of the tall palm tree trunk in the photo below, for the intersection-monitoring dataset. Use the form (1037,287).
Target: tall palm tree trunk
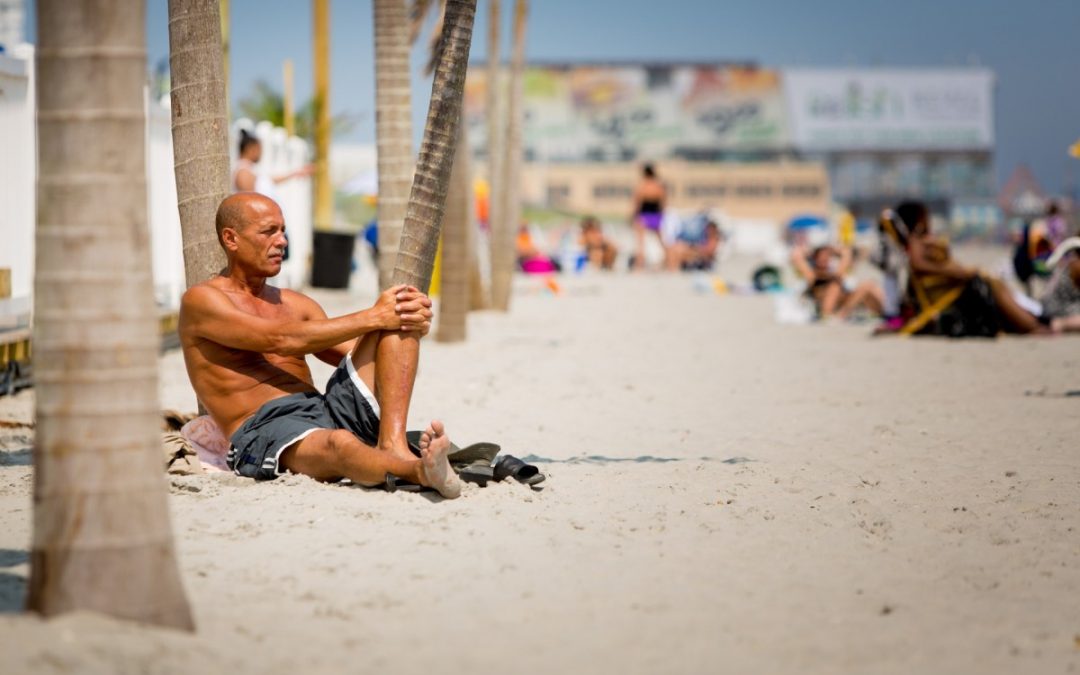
(102,539)
(502,249)
(393,128)
(496,134)
(427,200)
(200,131)
(454,295)
(478,294)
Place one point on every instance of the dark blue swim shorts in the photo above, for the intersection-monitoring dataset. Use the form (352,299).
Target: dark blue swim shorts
(347,404)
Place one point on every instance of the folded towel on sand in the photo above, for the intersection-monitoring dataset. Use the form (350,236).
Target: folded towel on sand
(192,444)
(209,444)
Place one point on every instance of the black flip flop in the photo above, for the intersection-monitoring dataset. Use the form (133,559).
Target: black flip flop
(509,466)
(395,484)
(479,474)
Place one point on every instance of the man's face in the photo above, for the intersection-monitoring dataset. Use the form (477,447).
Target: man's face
(259,244)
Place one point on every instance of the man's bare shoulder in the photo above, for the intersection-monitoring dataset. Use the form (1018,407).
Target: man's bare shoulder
(200,293)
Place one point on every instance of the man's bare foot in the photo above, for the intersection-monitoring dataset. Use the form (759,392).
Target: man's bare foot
(435,471)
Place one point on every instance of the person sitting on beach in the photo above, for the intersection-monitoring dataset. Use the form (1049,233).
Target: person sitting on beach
(244,344)
(960,300)
(1061,300)
(599,251)
(824,271)
(696,255)
(649,199)
(530,258)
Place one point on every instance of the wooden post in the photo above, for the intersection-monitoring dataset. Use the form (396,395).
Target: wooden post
(287,81)
(5,282)
(324,205)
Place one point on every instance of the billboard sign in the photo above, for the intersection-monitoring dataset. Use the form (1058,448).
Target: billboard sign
(887,109)
(636,112)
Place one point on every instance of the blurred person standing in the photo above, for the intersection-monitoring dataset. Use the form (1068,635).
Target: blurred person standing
(246,179)
(649,200)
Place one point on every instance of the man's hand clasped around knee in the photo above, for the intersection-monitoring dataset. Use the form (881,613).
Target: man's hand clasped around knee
(404,308)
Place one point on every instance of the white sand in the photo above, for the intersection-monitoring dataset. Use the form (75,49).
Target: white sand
(906,506)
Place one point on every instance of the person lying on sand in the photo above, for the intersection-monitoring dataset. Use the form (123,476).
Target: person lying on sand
(963,299)
(824,271)
(245,342)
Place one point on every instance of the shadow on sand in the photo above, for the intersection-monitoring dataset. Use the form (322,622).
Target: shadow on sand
(12,586)
(641,459)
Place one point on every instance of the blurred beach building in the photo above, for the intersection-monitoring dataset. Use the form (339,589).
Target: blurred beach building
(760,143)
(12,24)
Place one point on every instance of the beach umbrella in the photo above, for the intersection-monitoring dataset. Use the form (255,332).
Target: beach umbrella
(806,222)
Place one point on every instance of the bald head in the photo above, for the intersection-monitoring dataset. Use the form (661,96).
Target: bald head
(239,209)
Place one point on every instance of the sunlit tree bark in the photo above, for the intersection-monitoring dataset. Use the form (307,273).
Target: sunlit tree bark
(102,538)
(200,131)
(393,128)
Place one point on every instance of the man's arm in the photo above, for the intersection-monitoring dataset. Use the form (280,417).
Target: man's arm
(333,355)
(208,313)
(245,180)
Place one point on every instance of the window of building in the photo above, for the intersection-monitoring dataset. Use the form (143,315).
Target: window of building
(609,191)
(705,190)
(801,190)
(557,194)
(754,190)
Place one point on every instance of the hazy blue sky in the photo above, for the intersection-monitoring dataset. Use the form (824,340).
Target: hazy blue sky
(1033,47)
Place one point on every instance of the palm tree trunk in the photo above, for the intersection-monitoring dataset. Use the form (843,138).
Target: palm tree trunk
(496,142)
(393,128)
(454,297)
(102,538)
(200,131)
(509,211)
(423,218)
(478,295)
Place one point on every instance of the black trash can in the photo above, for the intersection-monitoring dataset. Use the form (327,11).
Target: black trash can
(331,265)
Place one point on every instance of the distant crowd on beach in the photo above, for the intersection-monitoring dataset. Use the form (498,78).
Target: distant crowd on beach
(923,290)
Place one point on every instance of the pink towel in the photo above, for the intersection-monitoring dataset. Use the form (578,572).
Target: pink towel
(210,444)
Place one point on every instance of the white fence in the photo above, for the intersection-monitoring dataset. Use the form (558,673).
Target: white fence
(18,171)
(18,161)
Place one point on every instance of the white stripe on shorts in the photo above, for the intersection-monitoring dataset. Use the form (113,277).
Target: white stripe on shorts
(361,387)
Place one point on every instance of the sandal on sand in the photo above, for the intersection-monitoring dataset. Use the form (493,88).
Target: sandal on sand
(478,473)
(471,463)
(395,484)
(508,466)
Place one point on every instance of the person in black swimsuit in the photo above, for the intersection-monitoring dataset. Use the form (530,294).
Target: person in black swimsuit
(649,201)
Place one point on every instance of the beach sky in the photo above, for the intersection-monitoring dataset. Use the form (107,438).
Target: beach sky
(1031,47)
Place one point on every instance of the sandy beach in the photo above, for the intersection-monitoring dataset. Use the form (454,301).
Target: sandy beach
(724,494)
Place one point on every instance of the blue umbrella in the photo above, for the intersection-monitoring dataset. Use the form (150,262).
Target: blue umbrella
(806,222)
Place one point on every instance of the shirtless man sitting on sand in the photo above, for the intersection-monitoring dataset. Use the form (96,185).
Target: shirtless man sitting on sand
(244,345)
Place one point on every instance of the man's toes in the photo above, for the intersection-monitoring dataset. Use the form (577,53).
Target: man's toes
(437,428)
